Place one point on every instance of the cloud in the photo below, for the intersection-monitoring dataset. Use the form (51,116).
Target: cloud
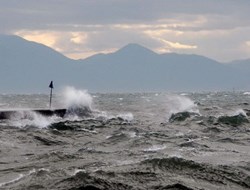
(68,43)
(177,45)
(78,37)
(75,45)
(248,43)
(51,13)
(44,37)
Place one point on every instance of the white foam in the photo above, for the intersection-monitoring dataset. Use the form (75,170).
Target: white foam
(44,169)
(126,162)
(238,112)
(31,118)
(176,103)
(246,93)
(78,103)
(18,178)
(155,148)
(73,97)
(132,134)
(126,116)
(179,134)
(175,155)
(76,171)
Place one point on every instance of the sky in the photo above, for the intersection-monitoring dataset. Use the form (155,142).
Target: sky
(218,29)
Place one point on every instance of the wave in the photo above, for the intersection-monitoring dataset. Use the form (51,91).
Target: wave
(72,97)
(155,148)
(31,118)
(235,120)
(78,105)
(182,116)
(84,180)
(47,141)
(88,124)
(200,171)
(246,93)
(176,186)
(17,179)
(178,103)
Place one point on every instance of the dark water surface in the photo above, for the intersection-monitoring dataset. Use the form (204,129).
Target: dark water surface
(128,141)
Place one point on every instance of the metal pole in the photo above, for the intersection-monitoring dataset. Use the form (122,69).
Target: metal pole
(51,87)
(50,100)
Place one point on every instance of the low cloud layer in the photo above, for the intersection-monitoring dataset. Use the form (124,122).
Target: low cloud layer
(80,28)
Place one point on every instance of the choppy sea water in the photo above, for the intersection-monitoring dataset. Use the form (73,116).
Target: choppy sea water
(128,141)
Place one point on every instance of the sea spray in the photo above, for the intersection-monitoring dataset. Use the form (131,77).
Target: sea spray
(76,98)
(30,118)
(126,116)
(104,115)
(238,112)
(77,102)
(176,103)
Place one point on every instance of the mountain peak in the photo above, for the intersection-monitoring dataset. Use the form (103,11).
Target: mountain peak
(134,45)
(133,48)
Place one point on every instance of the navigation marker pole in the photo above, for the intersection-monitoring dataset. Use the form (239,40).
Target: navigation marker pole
(51,86)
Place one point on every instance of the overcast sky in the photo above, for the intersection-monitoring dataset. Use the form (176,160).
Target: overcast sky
(219,29)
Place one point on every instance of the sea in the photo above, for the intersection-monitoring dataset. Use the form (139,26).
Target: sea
(126,141)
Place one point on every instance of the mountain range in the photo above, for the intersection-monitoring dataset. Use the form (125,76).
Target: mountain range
(28,67)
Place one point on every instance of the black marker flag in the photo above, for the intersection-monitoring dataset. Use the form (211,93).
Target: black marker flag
(51,86)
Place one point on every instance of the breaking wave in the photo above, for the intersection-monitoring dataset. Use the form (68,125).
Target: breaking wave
(78,105)
(72,97)
(176,103)
(218,174)
(31,118)
(235,120)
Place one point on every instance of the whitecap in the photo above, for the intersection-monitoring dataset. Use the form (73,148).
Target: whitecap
(18,178)
(31,118)
(246,93)
(126,116)
(176,103)
(155,148)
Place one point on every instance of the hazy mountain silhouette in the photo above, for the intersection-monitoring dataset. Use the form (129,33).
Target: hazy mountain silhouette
(28,66)
(136,67)
(242,65)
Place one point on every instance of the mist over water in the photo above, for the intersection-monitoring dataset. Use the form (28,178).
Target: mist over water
(127,141)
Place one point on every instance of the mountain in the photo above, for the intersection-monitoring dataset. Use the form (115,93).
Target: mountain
(242,65)
(136,67)
(28,66)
